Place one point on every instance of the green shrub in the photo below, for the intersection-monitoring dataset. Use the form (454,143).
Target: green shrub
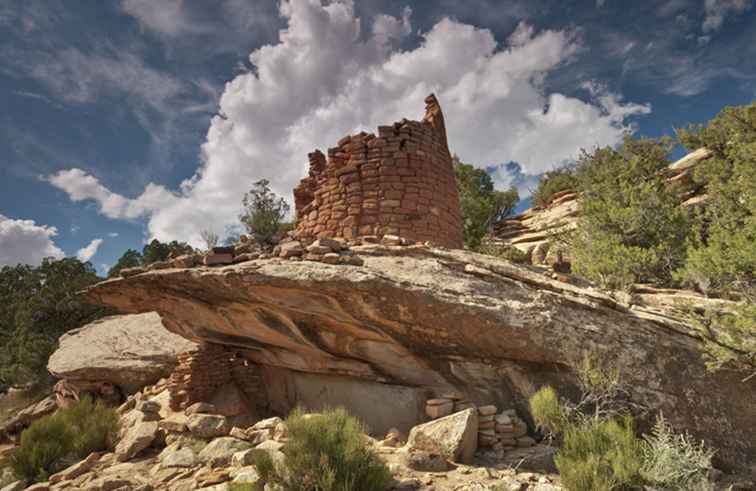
(43,447)
(600,455)
(721,258)
(264,211)
(480,204)
(505,252)
(546,410)
(71,433)
(552,182)
(674,462)
(631,227)
(325,452)
(95,426)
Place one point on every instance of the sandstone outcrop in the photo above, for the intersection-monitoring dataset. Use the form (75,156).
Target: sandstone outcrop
(127,351)
(414,323)
(534,231)
(400,182)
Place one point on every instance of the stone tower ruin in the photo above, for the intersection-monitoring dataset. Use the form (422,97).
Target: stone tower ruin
(400,182)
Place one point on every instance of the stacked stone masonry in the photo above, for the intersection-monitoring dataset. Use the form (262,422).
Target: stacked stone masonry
(201,372)
(400,182)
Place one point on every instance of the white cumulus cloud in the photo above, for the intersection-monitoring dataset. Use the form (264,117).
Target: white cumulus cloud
(86,253)
(25,242)
(325,78)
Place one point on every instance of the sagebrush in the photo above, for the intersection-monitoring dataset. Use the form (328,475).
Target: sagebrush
(325,452)
(70,434)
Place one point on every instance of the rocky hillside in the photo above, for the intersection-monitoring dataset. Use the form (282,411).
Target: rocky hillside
(536,230)
(412,323)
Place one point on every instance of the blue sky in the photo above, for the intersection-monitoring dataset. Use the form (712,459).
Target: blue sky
(126,120)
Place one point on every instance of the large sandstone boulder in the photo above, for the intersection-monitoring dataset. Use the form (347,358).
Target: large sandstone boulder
(128,351)
(440,321)
(454,436)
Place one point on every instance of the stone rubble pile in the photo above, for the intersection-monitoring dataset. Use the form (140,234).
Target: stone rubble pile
(499,432)
(486,431)
(511,431)
(322,250)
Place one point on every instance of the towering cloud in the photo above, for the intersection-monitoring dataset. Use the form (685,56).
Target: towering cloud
(325,77)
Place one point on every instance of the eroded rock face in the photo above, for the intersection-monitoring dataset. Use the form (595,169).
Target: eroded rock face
(128,351)
(440,321)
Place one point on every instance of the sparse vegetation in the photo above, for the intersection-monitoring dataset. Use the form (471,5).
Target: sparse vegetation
(508,253)
(69,434)
(153,252)
(325,452)
(264,212)
(481,205)
(210,238)
(552,182)
(599,448)
(674,461)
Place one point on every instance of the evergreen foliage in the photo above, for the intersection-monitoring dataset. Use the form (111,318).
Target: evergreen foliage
(721,258)
(481,205)
(631,227)
(264,211)
(37,305)
(552,182)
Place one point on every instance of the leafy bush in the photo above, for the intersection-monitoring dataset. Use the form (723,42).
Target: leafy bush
(552,182)
(325,452)
(71,433)
(674,462)
(43,447)
(264,212)
(546,410)
(631,226)
(600,455)
(599,449)
(95,426)
(480,204)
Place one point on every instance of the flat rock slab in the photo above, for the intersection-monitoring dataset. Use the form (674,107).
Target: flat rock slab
(129,351)
(419,317)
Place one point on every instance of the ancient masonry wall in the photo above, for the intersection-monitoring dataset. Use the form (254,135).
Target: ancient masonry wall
(202,371)
(400,182)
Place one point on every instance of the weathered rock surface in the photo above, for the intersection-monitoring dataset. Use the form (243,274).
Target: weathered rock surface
(454,436)
(136,439)
(420,319)
(129,351)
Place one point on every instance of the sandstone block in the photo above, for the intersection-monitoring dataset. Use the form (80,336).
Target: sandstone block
(331,258)
(200,407)
(487,410)
(136,439)
(207,425)
(454,436)
(290,249)
(440,409)
(214,259)
(220,451)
